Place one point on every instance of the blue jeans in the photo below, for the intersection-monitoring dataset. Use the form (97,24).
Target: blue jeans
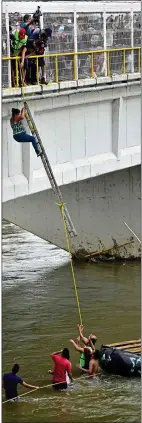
(24,137)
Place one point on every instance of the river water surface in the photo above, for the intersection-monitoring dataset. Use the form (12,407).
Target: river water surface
(40,316)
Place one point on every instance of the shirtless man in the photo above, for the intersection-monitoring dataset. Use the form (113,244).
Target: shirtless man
(93,370)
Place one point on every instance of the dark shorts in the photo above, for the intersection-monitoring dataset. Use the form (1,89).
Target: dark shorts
(60,386)
(41,61)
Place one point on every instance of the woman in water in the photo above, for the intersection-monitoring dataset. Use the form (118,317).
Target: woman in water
(19,132)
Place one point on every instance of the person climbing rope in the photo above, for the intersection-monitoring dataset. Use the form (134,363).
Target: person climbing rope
(89,346)
(88,342)
(92,339)
(85,354)
(19,132)
(10,382)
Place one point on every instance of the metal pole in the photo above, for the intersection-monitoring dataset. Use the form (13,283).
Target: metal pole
(75,44)
(132,232)
(132,41)
(105,42)
(41,22)
(8,46)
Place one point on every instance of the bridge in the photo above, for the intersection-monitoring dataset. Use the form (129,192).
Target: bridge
(88,118)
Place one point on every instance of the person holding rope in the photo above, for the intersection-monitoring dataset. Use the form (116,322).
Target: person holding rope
(88,342)
(92,339)
(10,382)
(89,346)
(62,369)
(85,353)
(18,41)
(36,46)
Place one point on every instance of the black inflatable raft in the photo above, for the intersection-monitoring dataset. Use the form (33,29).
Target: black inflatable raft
(118,362)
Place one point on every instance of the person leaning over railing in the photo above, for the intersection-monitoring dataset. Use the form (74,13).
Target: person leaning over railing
(28,51)
(19,40)
(37,47)
(27,22)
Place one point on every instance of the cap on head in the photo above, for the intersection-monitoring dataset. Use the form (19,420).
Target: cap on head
(15,369)
(22,33)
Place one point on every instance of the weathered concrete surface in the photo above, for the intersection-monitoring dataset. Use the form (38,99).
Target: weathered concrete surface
(98,207)
(92,140)
(85,134)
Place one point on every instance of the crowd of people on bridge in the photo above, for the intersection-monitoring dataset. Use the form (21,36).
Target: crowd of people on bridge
(62,370)
(29,40)
(58,37)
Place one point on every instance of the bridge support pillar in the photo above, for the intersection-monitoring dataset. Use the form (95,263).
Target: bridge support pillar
(117,125)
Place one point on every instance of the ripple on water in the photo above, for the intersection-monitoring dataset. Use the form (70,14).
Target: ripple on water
(40,315)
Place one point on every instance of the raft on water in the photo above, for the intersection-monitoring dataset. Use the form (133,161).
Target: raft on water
(122,358)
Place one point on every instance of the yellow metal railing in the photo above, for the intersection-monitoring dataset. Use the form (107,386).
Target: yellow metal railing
(108,56)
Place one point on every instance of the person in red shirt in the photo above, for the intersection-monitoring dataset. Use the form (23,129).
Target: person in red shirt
(62,367)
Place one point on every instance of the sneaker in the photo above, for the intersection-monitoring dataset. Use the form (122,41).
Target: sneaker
(42,81)
(39,154)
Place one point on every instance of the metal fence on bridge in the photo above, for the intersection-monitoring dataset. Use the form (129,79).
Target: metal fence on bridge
(110,28)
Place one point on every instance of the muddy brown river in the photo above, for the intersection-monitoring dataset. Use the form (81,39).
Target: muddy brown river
(40,316)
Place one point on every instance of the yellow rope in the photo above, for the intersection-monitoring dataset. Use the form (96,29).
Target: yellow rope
(62,206)
(46,386)
(22,82)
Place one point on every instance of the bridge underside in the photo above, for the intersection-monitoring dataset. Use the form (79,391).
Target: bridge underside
(98,206)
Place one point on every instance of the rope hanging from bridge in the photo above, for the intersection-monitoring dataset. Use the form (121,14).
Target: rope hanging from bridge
(62,207)
(64,216)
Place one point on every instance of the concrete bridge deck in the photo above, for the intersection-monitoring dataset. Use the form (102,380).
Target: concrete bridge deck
(89,121)
(92,139)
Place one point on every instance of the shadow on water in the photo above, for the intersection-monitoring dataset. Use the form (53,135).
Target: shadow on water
(40,315)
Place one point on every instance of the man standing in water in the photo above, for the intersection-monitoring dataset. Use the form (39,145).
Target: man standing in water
(93,369)
(10,382)
(62,368)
